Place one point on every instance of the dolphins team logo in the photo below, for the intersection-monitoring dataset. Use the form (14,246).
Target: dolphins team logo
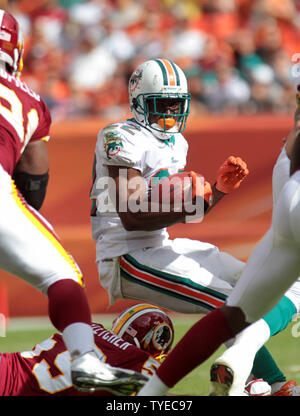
(135,79)
(113,145)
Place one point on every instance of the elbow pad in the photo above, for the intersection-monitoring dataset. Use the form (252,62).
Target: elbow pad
(32,187)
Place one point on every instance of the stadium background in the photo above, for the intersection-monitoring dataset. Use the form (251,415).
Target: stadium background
(237,57)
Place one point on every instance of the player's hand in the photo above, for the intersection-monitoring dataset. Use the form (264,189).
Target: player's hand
(200,189)
(230,175)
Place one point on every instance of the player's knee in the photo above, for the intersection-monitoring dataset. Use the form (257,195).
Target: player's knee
(67,303)
(235,317)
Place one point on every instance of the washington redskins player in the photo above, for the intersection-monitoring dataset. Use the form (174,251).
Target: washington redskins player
(29,247)
(139,337)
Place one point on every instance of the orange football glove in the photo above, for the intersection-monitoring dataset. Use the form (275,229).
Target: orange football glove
(204,192)
(230,175)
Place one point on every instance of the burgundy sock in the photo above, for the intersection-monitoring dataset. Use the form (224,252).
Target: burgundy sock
(199,343)
(67,304)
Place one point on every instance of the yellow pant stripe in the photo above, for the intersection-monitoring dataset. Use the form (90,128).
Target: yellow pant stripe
(46,232)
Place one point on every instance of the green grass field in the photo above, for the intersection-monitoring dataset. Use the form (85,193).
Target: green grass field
(22,335)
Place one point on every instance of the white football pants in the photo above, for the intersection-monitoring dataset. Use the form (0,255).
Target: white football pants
(275,263)
(29,247)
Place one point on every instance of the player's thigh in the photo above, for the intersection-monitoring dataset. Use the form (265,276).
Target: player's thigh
(286,214)
(281,174)
(174,277)
(271,270)
(275,263)
(219,263)
(29,247)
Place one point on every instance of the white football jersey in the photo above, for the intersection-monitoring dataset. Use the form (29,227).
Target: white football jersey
(130,145)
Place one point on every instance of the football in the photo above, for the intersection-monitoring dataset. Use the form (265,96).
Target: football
(172,190)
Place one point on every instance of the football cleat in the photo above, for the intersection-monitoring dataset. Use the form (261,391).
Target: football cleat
(290,388)
(258,387)
(222,380)
(88,374)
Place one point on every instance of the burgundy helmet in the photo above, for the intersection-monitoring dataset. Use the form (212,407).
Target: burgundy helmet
(147,327)
(11,43)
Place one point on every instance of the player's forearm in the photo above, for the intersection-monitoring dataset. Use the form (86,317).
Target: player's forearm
(32,187)
(153,216)
(217,196)
(150,221)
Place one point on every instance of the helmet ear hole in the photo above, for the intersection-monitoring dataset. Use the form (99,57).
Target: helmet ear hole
(135,103)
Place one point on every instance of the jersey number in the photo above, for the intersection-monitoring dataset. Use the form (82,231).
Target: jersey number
(60,364)
(15,117)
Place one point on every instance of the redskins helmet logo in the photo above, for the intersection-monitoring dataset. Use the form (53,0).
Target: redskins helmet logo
(162,336)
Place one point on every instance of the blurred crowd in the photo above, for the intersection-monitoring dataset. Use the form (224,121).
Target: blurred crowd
(236,54)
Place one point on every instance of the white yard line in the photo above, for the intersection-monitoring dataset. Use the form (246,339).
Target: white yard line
(42,322)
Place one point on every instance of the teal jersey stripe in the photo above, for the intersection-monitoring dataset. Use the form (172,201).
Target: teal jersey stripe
(93,208)
(176,73)
(164,72)
(175,279)
(94,169)
(166,291)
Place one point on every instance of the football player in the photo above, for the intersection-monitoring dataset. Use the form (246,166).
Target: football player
(246,346)
(140,336)
(135,256)
(272,268)
(29,247)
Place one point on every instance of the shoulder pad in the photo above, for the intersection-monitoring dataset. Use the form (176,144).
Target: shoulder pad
(112,130)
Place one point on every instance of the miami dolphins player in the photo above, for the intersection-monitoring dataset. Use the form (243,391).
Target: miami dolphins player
(136,258)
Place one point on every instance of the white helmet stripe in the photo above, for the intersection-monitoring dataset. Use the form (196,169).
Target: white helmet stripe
(1,16)
(133,317)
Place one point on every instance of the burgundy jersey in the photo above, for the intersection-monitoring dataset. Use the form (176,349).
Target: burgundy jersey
(45,370)
(24,117)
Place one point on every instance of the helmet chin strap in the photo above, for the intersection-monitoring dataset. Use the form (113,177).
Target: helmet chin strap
(136,341)
(158,132)
(16,56)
